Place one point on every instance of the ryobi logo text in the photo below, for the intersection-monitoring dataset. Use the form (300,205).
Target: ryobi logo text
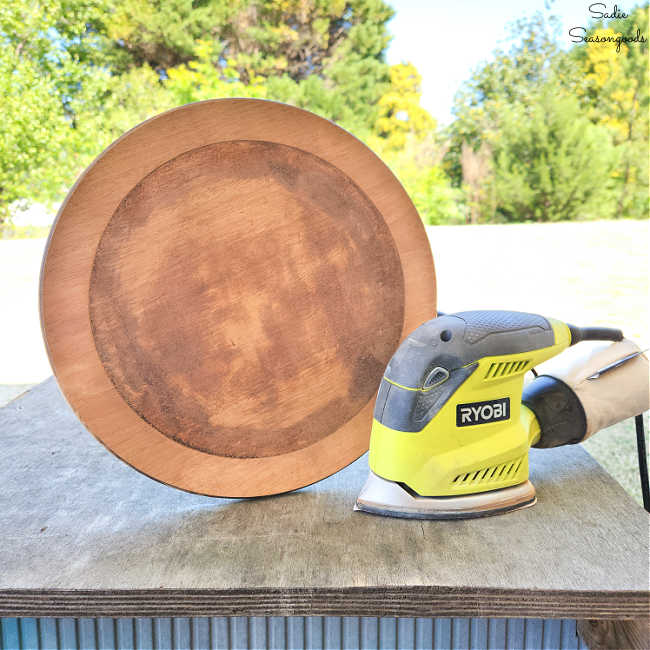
(482,412)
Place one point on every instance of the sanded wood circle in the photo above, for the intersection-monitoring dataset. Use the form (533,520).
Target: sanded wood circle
(267,271)
(222,291)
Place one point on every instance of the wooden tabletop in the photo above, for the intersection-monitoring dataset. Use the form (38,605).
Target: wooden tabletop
(83,534)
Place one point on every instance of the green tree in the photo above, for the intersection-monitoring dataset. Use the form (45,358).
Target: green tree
(614,93)
(61,104)
(512,77)
(406,137)
(33,133)
(107,105)
(40,46)
(163,33)
(271,38)
(327,57)
(551,163)
(548,161)
(400,114)
(91,69)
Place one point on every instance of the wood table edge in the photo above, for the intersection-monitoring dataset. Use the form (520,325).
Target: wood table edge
(350,601)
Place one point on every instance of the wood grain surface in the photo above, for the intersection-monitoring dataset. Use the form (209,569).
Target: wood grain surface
(126,545)
(222,290)
(245,299)
(603,635)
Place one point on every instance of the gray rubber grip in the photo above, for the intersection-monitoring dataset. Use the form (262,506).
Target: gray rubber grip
(450,343)
(455,340)
(480,324)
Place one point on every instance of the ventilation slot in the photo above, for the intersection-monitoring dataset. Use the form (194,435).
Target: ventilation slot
(491,474)
(505,368)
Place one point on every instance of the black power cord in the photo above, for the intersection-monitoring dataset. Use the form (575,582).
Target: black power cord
(594,334)
(643,461)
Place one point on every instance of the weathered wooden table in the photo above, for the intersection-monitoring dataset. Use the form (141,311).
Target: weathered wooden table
(94,553)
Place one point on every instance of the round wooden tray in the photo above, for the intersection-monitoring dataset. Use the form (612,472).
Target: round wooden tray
(222,290)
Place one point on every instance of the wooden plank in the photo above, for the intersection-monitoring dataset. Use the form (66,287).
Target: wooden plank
(406,601)
(128,546)
(602,635)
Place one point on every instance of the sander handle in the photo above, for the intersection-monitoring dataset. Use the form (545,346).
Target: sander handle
(589,390)
(580,394)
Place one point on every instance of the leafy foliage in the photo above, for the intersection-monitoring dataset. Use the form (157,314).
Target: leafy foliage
(61,104)
(161,33)
(551,163)
(91,69)
(540,133)
(555,156)
(36,79)
(269,38)
(33,132)
(615,95)
(400,113)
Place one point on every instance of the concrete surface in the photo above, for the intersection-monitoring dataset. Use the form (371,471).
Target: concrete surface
(23,359)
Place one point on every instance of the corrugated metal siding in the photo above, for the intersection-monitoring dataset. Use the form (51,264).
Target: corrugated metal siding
(296,632)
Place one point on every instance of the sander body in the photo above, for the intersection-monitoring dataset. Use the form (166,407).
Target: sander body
(453,420)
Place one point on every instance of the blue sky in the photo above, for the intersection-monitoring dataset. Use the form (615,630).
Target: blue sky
(446,40)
